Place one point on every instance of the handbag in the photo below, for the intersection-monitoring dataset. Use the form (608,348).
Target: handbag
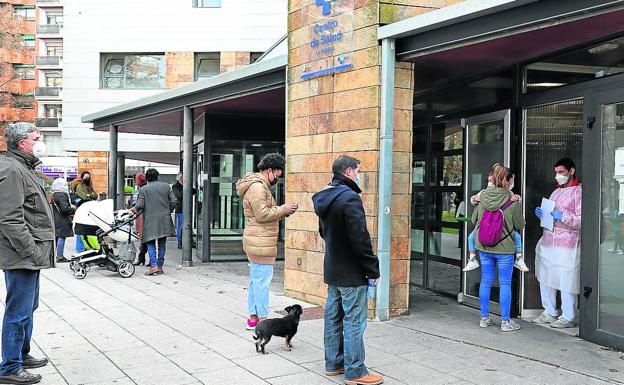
(70,216)
(74,199)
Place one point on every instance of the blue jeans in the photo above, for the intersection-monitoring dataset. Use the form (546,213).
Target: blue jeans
(162,249)
(22,300)
(79,246)
(517,238)
(258,291)
(179,219)
(60,247)
(345,323)
(505,269)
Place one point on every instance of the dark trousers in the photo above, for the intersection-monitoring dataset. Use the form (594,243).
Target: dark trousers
(22,300)
(142,252)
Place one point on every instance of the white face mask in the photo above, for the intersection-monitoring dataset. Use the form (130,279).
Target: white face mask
(39,149)
(561,179)
(511,187)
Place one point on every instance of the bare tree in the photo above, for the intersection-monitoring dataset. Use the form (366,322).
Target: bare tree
(11,44)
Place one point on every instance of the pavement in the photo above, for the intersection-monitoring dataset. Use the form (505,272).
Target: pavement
(187,327)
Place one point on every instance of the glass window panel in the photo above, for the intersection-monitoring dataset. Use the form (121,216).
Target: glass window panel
(444,277)
(207,3)
(418,240)
(446,171)
(208,67)
(52,110)
(611,268)
(447,136)
(144,71)
(445,242)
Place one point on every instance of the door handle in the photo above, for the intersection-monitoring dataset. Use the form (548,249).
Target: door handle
(590,122)
(587,290)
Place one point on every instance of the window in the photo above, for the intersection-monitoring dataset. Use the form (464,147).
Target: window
(53,79)
(54,48)
(24,71)
(254,56)
(133,71)
(29,40)
(26,12)
(52,111)
(54,18)
(25,101)
(207,65)
(207,3)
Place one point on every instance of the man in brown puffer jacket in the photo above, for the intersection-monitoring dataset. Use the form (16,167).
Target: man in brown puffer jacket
(262,217)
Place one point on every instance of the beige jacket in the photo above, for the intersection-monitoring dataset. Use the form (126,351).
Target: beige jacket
(262,217)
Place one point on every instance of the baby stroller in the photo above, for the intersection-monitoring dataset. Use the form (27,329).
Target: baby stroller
(92,222)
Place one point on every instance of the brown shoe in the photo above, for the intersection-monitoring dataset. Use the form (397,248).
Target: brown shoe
(160,270)
(152,270)
(369,379)
(335,372)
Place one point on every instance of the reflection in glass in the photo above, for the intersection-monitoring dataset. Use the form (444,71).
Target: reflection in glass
(611,266)
(445,242)
(444,277)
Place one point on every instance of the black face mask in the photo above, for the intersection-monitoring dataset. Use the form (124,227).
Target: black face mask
(87,181)
(275,179)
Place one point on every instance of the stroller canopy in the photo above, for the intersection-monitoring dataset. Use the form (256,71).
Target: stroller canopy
(101,214)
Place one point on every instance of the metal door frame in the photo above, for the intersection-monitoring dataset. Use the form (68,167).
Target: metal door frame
(592,213)
(504,115)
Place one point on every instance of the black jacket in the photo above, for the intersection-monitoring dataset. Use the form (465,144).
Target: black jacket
(177,191)
(62,210)
(349,259)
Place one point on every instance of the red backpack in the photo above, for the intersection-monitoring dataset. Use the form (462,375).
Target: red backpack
(492,225)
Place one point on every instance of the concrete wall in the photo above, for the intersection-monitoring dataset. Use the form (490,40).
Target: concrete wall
(175,28)
(340,114)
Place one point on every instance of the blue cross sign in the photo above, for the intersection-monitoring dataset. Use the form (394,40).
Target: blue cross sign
(326,4)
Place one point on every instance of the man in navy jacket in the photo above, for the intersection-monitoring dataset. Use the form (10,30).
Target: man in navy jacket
(349,264)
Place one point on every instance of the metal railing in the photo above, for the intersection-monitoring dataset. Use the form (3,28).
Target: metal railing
(47,122)
(47,91)
(48,60)
(49,28)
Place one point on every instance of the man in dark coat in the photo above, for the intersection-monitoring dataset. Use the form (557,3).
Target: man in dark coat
(177,191)
(348,267)
(26,247)
(156,201)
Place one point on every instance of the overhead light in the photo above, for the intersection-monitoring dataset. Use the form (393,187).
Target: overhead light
(256,145)
(603,48)
(546,84)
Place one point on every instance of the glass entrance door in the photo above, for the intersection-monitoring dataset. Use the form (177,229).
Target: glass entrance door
(487,142)
(602,262)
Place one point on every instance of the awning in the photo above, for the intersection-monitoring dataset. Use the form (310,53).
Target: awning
(256,89)
(477,36)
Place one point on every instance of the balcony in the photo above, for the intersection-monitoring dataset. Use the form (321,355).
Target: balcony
(49,29)
(48,93)
(48,61)
(47,122)
(47,2)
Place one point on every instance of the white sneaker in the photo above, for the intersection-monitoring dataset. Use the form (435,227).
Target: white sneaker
(545,318)
(520,265)
(471,265)
(485,322)
(562,324)
(509,326)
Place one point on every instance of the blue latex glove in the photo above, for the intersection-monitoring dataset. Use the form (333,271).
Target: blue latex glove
(538,212)
(558,215)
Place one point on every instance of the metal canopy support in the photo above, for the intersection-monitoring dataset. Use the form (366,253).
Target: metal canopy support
(112,163)
(121,181)
(187,188)
(384,216)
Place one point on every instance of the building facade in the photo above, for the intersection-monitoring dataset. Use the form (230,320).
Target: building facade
(428,95)
(118,51)
(17,57)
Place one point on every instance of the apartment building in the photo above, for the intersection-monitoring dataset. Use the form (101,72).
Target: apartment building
(116,51)
(17,52)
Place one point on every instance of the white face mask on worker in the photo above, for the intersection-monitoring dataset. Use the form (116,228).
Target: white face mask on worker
(561,179)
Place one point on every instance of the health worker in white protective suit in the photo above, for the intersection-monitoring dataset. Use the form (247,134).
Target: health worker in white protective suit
(557,254)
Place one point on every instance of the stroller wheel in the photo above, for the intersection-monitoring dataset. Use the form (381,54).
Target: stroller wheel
(72,265)
(125,269)
(80,272)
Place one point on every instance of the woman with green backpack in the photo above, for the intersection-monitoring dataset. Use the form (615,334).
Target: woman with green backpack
(495,219)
